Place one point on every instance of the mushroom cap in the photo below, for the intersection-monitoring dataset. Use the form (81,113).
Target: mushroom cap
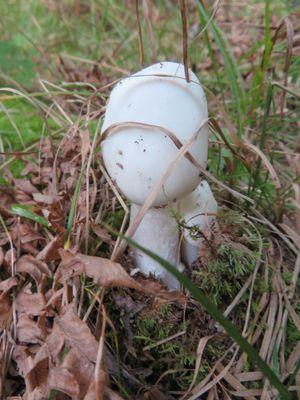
(137,156)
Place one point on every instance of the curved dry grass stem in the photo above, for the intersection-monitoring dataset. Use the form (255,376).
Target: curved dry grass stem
(150,199)
(146,11)
(205,384)
(9,117)
(266,162)
(139,31)
(199,352)
(213,14)
(217,379)
(257,265)
(112,128)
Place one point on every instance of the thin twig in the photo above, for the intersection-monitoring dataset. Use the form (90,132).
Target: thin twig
(182,7)
(139,30)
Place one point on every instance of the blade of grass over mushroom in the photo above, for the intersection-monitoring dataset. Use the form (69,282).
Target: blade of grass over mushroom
(26,212)
(231,67)
(183,152)
(219,317)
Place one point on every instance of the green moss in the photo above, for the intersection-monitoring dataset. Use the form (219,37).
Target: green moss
(224,276)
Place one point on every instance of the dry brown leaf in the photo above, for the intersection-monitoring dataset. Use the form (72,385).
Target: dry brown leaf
(81,368)
(34,371)
(85,144)
(111,395)
(25,233)
(28,330)
(102,270)
(55,341)
(45,198)
(35,268)
(7,284)
(102,234)
(1,256)
(20,356)
(108,273)
(25,186)
(50,251)
(91,393)
(10,258)
(5,309)
(62,380)
(108,393)
(77,334)
(30,303)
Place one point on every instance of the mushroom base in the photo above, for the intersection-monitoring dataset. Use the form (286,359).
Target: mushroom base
(157,232)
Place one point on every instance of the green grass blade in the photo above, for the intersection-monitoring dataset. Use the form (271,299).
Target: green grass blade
(263,135)
(73,206)
(257,84)
(26,212)
(231,67)
(219,317)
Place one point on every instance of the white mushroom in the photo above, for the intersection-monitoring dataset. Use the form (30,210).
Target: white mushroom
(137,150)
(198,210)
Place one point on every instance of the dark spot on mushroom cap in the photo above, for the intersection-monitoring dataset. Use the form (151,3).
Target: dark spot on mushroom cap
(120,165)
(144,150)
(120,152)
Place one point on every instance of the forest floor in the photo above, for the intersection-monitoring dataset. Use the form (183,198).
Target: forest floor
(73,322)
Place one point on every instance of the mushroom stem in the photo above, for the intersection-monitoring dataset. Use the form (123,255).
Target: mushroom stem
(198,210)
(157,232)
